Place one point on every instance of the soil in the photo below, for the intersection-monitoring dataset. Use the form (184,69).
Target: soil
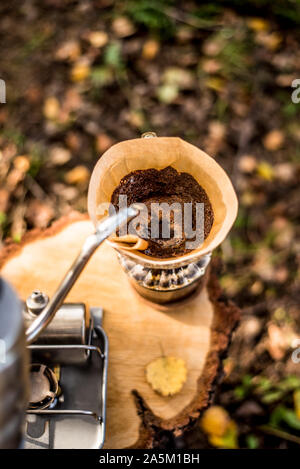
(165,186)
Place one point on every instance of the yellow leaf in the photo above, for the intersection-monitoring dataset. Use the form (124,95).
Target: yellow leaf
(229,440)
(150,49)
(215,83)
(265,171)
(166,375)
(98,38)
(51,108)
(296,397)
(215,421)
(80,72)
(258,24)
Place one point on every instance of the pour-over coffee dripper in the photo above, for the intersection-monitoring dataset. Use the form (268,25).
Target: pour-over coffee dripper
(168,279)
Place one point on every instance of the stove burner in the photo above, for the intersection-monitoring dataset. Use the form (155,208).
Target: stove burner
(74,419)
(44,386)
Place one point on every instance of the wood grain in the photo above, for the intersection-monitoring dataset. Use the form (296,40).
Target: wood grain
(197,330)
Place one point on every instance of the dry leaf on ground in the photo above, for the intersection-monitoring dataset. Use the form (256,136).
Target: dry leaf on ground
(273,140)
(78,175)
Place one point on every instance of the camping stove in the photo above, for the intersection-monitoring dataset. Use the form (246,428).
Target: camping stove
(67,375)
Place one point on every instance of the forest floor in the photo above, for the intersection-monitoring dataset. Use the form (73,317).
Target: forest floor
(82,75)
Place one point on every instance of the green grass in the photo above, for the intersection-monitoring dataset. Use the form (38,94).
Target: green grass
(152,14)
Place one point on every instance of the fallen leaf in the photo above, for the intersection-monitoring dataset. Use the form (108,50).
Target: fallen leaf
(273,140)
(247,163)
(69,50)
(262,264)
(210,66)
(269,40)
(279,340)
(248,198)
(250,328)
(215,138)
(166,375)
(257,287)
(227,441)
(80,71)
(296,397)
(123,27)
(285,79)
(78,175)
(179,77)
(284,171)
(97,38)
(167,93)
(258,24)
(215,83)
(265,171)
(59,155)
(221,430)
(150,49)
(215,420)
(22,163)
(51,108)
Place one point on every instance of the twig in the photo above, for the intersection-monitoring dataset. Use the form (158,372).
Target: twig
(279,433)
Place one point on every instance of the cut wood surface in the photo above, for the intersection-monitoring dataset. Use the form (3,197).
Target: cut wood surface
(197,330)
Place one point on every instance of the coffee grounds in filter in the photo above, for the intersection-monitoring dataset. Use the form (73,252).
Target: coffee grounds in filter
(166,185)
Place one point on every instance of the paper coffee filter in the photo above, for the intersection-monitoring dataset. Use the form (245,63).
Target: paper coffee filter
(129,243)
(160,152)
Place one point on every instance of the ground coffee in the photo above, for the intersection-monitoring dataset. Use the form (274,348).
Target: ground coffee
(166,185)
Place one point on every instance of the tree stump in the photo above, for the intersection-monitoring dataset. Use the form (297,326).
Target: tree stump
(197,330)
